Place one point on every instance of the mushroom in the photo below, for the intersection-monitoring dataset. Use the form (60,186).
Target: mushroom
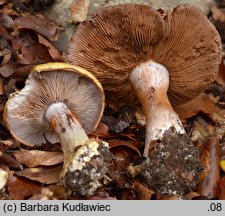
(137,52)
(61,102)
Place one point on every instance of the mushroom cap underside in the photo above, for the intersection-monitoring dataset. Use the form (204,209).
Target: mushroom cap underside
(119,38)
(79,90)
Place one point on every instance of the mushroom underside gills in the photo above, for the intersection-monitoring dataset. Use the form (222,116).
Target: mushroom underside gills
(86,162)
(165,134)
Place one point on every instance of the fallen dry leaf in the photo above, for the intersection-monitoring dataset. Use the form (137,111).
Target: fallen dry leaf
(79,10)
(210,177)
(191,195)
(7,21)
(124,152)
(20,188)
(16,70)
(201,131)
(40,25)
(201,103)
(169,197)
(53,51)
(40,197)
(101,198)
(220,78)
(128,195)
(45,175)
(143,192)
(217,14)
(8,9)
(33,158)
(129,144)
(222,149)
(27,50)
(101,131)
(57,190)
(218,119)
(11,162)
(45,194)
(2,91)
(9,143)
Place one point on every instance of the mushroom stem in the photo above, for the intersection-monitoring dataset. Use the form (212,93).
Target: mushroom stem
(86,161)
(151,82)
(67,127)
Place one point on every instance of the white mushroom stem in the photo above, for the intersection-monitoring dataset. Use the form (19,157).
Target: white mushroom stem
(151,82)
(67,127)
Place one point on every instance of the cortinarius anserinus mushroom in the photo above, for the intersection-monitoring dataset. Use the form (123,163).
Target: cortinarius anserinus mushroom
(61,102)
(138,52)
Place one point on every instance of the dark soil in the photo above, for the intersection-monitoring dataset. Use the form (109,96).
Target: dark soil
(93,174)
(173,166)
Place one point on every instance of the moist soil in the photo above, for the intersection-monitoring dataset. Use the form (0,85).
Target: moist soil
(173,165)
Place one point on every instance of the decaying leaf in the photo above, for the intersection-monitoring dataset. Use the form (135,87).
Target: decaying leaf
(9,143)
(1,86)
(143,191)
(191,195)
(218,118)
(101,131)
(8,9)
(45,194)
(16,70)
(27,50)
(222,150)
(20,188)
(201,103)
(40,25)
(79,10)
(217,14)
(53,51)
(133,145)
(51,192)
(169,197)
(8,160)
(220,78)
(33,158)
(201,131)
(57,190)
(45,175)
(210,177)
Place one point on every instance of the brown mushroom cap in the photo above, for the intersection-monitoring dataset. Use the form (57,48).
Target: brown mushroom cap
(79,90)
(119,38)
